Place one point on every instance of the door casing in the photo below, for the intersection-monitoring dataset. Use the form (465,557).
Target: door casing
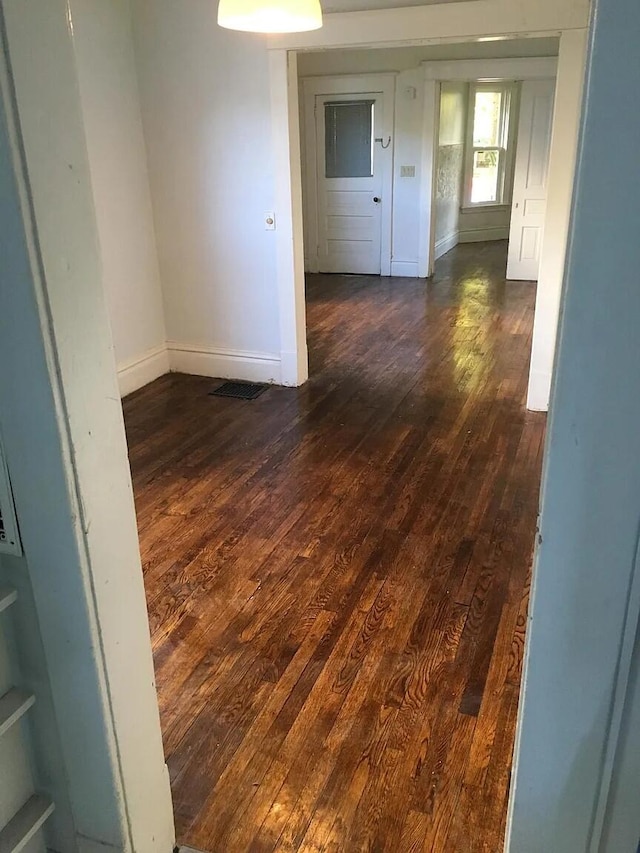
(469,71)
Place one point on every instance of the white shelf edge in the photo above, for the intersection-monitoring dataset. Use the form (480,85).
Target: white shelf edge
(25,823)
(7,596)
(13,705)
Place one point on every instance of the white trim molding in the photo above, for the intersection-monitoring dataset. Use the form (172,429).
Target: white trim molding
(404,269)
(491,70)
(224,363)
(567,112)
(137,372)
(539,391)
(294,365)
(480,235)
(454,22)
(285,123)
(446,243)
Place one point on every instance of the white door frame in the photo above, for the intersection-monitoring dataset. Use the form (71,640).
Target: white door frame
(460,71)
(345,84)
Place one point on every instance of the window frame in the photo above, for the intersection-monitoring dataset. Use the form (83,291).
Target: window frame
(508,112)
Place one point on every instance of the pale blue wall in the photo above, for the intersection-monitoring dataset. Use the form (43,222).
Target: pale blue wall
(591,493)
(622,820)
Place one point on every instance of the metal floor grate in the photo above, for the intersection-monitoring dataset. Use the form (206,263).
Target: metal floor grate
(239,390)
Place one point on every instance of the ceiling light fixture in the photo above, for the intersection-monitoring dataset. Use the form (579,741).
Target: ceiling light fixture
(270,16)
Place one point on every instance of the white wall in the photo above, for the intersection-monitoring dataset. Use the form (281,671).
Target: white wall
(117,158)
(409,115)
(450,165)
(205,100)
(485,224)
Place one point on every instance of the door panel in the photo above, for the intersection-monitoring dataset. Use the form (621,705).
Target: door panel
(348,228)
(349,179)
(530,181)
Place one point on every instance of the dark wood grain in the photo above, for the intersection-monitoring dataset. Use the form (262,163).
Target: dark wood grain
(337,576)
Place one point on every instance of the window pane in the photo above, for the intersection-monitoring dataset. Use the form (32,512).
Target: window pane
(484,184)
(486,119)
(349,139)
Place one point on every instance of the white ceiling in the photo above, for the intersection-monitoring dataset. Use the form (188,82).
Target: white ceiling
(361,5)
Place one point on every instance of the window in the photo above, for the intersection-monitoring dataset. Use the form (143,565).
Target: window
(349,139)
(488,150)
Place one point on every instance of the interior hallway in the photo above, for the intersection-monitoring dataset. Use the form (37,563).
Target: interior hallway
(337,575)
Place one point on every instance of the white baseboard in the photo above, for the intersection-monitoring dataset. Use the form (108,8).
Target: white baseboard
(480,235)
(224,363)
(539,391)
(445,244)
(404,269)
(136,372)
(294,368)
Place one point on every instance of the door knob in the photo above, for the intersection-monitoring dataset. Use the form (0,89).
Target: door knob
(376,199)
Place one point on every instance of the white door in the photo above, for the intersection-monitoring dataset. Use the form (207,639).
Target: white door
(530,180)
(349,171)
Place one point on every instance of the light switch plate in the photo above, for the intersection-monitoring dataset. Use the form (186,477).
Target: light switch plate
(407,171)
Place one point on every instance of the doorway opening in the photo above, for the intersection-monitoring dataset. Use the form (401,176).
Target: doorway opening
(453,150)
(491,167)
(413,238)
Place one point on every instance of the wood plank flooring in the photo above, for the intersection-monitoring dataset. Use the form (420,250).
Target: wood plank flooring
(337,575)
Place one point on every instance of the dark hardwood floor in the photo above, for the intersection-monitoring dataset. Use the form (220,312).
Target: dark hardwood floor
(337,575)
